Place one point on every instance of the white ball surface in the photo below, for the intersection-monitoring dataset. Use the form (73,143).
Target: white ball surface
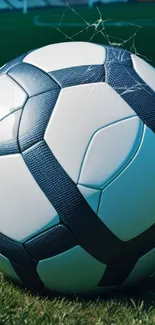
(77,137)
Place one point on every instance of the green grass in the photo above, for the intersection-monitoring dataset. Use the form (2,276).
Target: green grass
(18,33)
(129,308)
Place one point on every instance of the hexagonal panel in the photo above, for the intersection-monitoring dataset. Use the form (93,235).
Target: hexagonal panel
(127,203)
(74,54)
(25,210)
(109,152)
(79,112)
(72,271)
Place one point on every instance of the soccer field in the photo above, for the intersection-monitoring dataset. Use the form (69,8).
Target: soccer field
(131,26)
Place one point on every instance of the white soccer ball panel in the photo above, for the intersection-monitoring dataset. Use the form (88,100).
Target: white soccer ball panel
(9,127)
(66,55)
(7,268)
(145,71)
(109,152)
(72,271)
(91,195)
(142,270)
(12,96)
(79,112)
(25,210)
(127,205)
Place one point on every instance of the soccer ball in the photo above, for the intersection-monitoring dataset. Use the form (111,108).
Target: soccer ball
(77,168)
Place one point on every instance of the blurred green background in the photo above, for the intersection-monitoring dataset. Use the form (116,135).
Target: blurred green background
(128,25)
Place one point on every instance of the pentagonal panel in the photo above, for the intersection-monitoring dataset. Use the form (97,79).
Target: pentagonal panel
(109,151)
(25,210)
(33,80)
(52,242)
(91,195)
(35,117)
(145,70)
(50,58)
(72,271)
(6,67)
(23,264)
(12,96)
(8,133)
(79,112)
(127,204)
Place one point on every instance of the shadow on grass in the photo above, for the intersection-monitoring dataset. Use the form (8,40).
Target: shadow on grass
(139,297)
